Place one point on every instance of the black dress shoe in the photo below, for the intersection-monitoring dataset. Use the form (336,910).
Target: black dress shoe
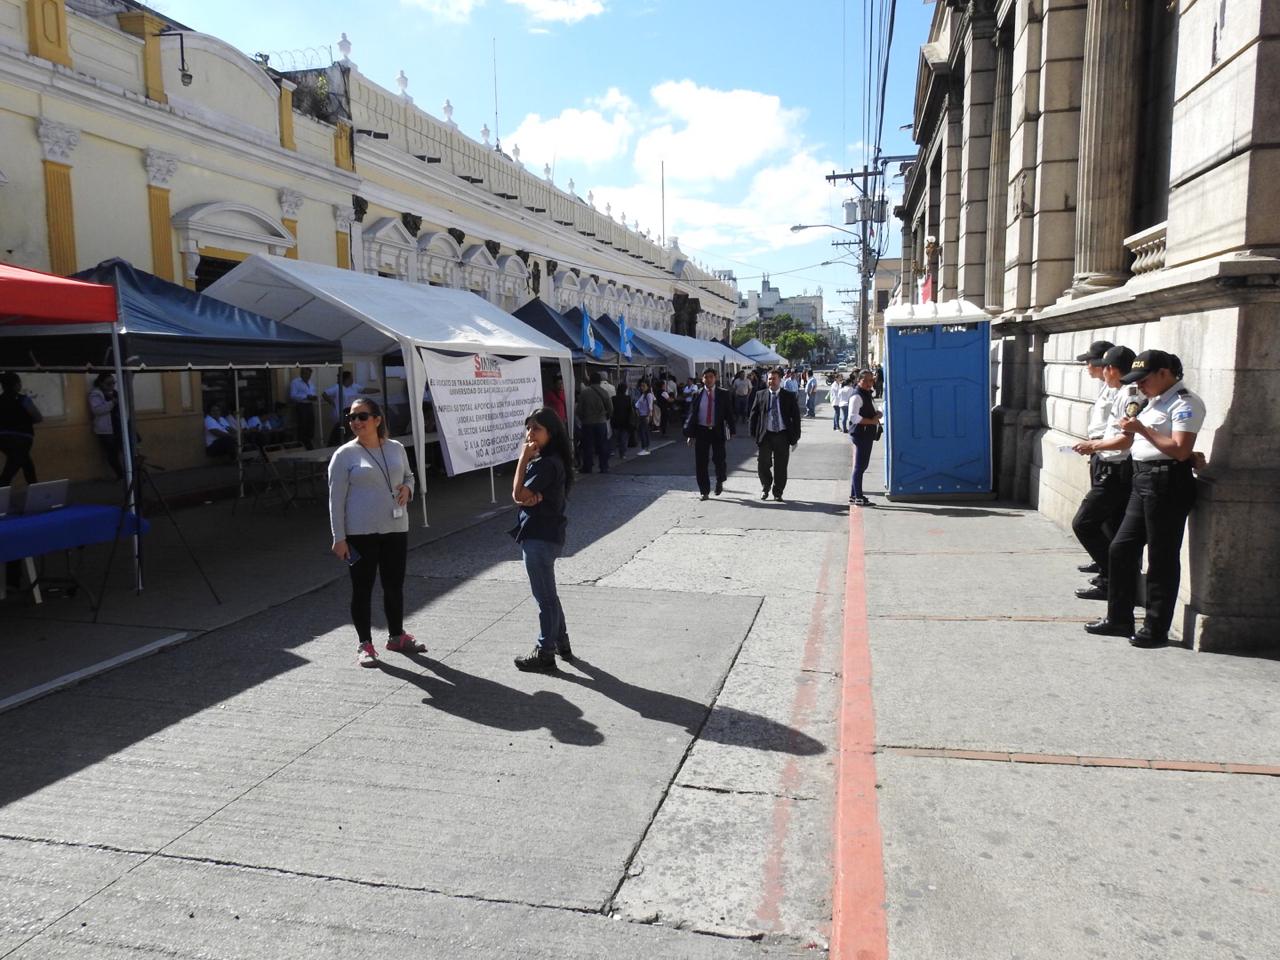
(765,495)
(565,651)
(778,497)
(719,487)
(1089,568)
(703,496)
(1092,593)
(1099,581)
(1147,638)
(537,661)
(1105,628)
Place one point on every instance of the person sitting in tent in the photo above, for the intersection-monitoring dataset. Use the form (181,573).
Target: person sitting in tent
(219,434)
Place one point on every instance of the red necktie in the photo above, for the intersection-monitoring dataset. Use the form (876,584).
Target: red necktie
(711,399)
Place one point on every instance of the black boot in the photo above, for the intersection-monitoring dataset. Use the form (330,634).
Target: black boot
(565,650)
(537,661)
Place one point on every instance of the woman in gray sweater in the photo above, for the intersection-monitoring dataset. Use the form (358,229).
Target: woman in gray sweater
(370,486)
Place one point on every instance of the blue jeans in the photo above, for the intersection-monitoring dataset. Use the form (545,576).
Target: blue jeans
(643,430)
(863,436)
(540,564)
(840,419)
(810,403)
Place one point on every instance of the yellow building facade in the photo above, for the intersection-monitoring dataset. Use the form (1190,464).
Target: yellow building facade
(124,134)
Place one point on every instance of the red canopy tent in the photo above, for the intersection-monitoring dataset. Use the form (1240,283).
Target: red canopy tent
(33,298)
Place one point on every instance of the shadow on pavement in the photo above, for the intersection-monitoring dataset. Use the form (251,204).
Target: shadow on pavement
(733,727)
(957,512)
(493,704)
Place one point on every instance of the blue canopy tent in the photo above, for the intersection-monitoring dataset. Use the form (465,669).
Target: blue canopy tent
(164,326)
(606,343)
(552,323)
(643,352)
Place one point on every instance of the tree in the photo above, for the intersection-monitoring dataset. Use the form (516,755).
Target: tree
(743,333)
(796,345)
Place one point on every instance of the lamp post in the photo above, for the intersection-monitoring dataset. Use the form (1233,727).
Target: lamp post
(863,272)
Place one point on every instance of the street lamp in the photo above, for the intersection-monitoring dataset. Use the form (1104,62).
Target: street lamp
(830,226)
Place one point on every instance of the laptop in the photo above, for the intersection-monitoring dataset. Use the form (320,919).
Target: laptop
(41,497)
(4,501)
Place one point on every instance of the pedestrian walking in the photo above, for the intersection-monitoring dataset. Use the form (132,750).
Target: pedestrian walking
(1110,469)
(879,381)
(741,397)
(540,488)
(775,425)
(370,486)
(839,404)
(302,394)
(647,412)
(18,419)
(864,433)
(594,410)
(709,423)
(1162,435)
(811,395)
(623,420)
(104,413)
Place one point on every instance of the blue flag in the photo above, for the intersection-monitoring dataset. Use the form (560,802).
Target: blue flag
(624,333)
(589,344)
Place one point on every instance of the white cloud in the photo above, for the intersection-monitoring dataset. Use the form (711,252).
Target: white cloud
(543,11)
(455,11)
(560,11)
(593,136)
(707,135)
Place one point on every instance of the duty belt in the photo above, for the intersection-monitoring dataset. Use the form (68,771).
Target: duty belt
(1160,466)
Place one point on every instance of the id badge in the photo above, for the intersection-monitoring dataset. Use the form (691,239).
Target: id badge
(397,512)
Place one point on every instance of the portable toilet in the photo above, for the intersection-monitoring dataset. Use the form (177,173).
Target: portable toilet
(937,401)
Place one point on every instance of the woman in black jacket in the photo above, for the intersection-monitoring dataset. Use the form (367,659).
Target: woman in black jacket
(863,433)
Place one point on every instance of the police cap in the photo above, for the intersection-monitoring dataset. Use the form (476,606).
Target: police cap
(1093,356)
(1119,357)
(1148,362)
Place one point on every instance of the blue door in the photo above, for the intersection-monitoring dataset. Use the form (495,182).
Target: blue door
(938,409)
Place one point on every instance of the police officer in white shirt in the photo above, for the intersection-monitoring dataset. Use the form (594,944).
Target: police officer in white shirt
(1102,508)
(1162,435)
(302,394)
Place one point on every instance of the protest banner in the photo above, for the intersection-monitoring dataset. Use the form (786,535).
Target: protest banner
(480,404)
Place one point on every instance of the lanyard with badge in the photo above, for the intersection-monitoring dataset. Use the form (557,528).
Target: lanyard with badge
(384,468)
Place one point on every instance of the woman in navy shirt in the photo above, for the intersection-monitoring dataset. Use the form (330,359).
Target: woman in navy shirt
(540,488)
(863,433)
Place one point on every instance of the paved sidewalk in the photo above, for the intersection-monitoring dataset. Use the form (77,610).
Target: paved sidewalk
(254,793)
(1040,789)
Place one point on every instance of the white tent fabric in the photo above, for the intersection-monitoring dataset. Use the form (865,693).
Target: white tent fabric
(374,315)
(759,352)
(696,354)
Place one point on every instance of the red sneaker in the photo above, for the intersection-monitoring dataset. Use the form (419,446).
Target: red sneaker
(368,657)
(405,644)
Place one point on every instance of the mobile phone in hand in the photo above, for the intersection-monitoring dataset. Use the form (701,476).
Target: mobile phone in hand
(353,556)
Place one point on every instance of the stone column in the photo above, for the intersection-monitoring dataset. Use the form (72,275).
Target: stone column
(1107,170)
(57,142)
(998,174)
(160,167)
(290,206)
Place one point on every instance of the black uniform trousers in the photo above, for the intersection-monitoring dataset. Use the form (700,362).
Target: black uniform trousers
(1102,509)
(772,456)
(708,444)
(1155,517)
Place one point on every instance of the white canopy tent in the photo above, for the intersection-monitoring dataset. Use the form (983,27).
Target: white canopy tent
(372,315)
(759,352)
(696,354)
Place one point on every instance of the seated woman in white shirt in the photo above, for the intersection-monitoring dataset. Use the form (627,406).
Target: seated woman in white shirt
(219,434)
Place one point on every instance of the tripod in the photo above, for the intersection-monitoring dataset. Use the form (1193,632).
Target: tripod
(134,494)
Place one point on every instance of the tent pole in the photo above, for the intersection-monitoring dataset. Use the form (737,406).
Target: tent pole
(415,372)
(493,490)
(235,381)
(126,439)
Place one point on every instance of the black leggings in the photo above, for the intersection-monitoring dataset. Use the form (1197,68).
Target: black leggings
(388,553)
(17,456)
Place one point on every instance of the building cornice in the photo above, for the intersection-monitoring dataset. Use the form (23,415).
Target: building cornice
(115,102)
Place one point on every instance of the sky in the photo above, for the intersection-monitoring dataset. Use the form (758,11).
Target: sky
(747,103)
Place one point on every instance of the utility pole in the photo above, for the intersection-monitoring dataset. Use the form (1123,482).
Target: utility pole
(869,210)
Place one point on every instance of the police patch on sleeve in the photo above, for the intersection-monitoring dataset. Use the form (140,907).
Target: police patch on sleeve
(1183,415)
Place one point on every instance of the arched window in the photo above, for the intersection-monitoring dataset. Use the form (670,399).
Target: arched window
(389,249)
(439,260)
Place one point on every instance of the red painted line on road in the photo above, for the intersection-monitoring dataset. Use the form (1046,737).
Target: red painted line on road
(859,930)
(769,913)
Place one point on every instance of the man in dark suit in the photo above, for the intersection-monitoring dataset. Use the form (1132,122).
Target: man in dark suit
(709,421)
(775,424)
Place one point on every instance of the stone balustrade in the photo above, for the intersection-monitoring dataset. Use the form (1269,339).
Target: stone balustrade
(1148,249)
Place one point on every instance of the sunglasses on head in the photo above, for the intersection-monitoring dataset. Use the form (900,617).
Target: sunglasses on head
(362,416)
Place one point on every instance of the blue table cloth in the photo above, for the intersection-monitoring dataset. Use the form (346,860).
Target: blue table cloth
(73,526)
